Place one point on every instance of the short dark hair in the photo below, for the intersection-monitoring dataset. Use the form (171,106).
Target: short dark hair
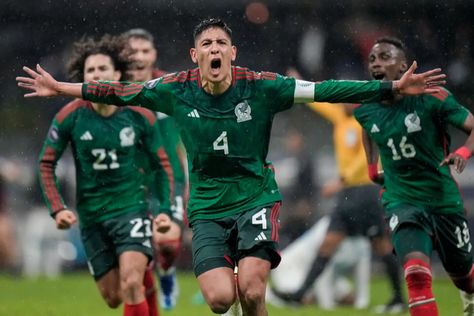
(139,33)
(395,41)
(210,23)
(112,46)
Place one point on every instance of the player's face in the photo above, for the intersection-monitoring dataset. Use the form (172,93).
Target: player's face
(100,67)
(386,62)
(214,54)
(143,57)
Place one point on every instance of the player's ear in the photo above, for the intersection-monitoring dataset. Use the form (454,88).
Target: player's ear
(192,52)
(117,75)
(404,66)
(155,54)
(234,53)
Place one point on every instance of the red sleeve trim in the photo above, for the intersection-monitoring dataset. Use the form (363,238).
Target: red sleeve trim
(183,76)
(441,94)
(249,75)
(157,73)
(165,163)
(47,176)
(147,114)
(373,171)
(113,88)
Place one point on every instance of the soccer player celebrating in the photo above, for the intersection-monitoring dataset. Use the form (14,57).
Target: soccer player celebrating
(422,202)
(358,211)
(167,244)
(111,204)
(224,114)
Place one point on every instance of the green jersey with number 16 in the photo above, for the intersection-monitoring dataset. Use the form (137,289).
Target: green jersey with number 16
(226,136)
(412,139)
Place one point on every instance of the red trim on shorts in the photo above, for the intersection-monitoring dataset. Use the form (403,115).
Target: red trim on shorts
(229,260)
(274,220)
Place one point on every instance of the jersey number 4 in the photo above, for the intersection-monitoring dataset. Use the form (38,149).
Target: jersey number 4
(221,143)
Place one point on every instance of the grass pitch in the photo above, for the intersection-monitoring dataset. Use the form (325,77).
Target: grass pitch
(76,295)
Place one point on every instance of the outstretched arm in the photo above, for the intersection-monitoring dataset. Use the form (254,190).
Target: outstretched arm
(42,84)
(461,155)
(372,155)
(353,91)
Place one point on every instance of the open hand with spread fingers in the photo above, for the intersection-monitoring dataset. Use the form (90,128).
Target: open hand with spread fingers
(426,82)
(40,82)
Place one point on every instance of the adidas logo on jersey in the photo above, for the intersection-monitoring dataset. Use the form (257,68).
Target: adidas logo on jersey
(261,236)
(147,243)
(87,136)
(194,113)
(374,129)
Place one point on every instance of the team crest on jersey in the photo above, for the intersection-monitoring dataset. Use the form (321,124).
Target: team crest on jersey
(393,222)
(242,111)
(127,137)
(412,122)
(150,84)
(53,134)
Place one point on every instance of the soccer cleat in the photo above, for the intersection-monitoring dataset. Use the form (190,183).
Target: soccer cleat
(293,298)
(169,288)
(395,306)
(468,303)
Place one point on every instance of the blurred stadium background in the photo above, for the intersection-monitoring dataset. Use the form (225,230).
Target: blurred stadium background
(323,39)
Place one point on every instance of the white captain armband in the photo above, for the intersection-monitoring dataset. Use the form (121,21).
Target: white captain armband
(304,91)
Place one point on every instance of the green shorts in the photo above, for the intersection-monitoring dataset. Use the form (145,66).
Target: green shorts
(223,242)
(449,234)
(104,242)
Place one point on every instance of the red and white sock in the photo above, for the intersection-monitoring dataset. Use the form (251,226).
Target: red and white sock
(150,293)
(421,301)
(140,309)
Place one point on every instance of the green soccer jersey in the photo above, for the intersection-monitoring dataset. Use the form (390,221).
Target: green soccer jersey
(173,146)
(226,136)
(109,182)
(412,139)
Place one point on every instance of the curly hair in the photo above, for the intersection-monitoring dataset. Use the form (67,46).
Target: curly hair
(113,46)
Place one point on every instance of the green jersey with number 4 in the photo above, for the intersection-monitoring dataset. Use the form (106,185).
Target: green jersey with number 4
(412,139)
(108,179)
(227,136)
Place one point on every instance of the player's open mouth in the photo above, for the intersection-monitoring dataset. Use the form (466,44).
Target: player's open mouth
(215,66)
(378,75)
(137,66)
